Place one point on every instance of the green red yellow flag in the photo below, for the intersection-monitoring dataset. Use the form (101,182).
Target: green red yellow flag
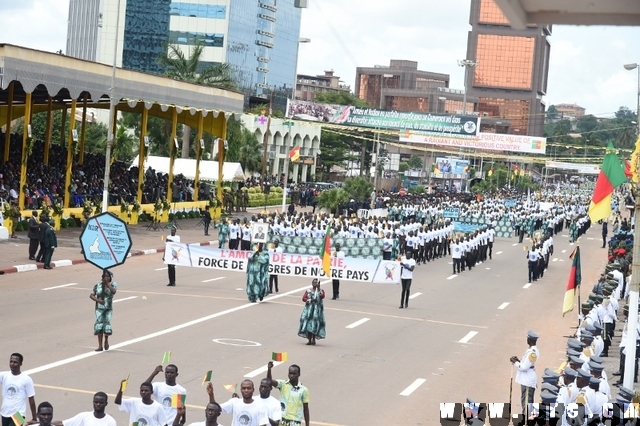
(294,154)
(611,176)
(233,388)
(17,418)
(166,357)
(279,356)
(178,400)
(124,383)
(325,252)
(575,278)
(633,163)
(207,376)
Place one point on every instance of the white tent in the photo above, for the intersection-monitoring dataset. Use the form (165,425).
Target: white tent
(187,167)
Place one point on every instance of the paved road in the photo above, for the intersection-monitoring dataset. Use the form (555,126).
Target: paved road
(454,340)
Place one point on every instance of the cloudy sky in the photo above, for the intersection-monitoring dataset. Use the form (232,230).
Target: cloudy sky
(586,62)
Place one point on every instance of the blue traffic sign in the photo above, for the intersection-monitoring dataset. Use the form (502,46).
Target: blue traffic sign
(105,241)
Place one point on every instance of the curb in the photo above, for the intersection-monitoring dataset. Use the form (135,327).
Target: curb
(66,262)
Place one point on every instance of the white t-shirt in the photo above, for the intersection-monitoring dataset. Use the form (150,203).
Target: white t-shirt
(88,419)
(274,409)
(406,273)
(16,390)
(173,238)
(145,415)
(162,393)
(254,414)
(202,424)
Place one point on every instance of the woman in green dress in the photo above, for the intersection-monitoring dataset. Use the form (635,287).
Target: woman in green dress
(102,294)
(258,274)
(312,324)
(223,233)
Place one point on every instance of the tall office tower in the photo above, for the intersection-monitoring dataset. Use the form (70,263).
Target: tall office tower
(258,38)
(509,78)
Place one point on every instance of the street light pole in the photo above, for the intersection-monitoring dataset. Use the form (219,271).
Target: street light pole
(112,112)
(466,63)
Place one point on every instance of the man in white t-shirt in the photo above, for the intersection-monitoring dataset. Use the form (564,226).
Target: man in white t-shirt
(408,264)
(142,410)
(97,417)
(45,415)
(163,391)
(274,410)
(245,411)
(173,238)
(17,389)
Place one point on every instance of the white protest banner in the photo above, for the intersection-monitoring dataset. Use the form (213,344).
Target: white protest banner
(489,141)
(297,265)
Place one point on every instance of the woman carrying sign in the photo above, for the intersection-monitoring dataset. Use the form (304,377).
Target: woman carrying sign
(312,324)
(102,294)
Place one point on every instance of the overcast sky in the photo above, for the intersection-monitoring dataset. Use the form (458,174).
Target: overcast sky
(586,62)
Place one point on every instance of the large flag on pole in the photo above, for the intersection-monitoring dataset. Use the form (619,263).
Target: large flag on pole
(575,278)
(325,252)
(611,176)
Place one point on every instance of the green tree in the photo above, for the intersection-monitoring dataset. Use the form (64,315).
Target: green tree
(415,162)
(180,67)
(123,149)
(403,167)
(552,112)
(340,98)
(250,152)
(358,188)
(332,198)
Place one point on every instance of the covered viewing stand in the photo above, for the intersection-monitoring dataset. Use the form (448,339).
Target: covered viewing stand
(33,81)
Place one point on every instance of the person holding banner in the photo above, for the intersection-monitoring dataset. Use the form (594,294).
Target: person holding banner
(257,274)
(312,323)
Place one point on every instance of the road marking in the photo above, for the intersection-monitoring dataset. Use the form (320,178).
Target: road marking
(499,252)
(564,251)
(555,259)
(59,286)
(261,370)
(468,337)
(162,269)
(504,305)
(161,332)
(213,279)
(414,295)
(527,285)
(126,298)
(488,268)
(357,323)
(589,238)
(452,277)
(412,387)
(515,244)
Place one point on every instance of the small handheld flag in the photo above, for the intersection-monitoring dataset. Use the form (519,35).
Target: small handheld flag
(17,418)
(135,424)
(123,385)
(178,400)
(279,356)
(233,388)
(207,376)
(166,357)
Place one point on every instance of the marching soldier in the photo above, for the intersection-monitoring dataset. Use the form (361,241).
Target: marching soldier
(526,373)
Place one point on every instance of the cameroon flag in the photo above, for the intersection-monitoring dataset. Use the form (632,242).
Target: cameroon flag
(325,252)
(611,176)
(575,278)
(294,154)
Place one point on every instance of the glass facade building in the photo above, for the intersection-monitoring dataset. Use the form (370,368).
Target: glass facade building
(258,38)
(510,77)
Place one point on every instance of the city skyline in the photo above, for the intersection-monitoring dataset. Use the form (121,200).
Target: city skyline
(586,66)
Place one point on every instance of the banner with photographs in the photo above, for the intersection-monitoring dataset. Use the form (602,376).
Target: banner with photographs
(297,265)
(457,166)
(346,115)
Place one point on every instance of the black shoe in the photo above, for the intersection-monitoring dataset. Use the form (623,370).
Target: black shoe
(401,306)
(171,285)
(334,298)
(618,383)
(617,373)
(32,258)
(47,267)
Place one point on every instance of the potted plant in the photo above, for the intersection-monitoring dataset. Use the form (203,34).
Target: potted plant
(56,214)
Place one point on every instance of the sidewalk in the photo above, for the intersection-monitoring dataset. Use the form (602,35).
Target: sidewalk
(15,252)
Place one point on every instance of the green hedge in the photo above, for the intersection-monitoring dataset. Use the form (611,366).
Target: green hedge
(271,201)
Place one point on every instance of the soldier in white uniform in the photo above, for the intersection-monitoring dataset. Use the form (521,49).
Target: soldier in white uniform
(526,373)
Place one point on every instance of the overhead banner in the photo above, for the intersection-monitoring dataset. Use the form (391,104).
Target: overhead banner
(591,169)
(488,141)
(296,265)
(449,124)
(457,166)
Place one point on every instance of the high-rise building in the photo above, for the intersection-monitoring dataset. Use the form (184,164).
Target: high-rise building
(259,39)
(307,86)
(401,86)
(509,78)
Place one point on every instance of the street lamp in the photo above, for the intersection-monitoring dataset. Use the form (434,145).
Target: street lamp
(631,67)
(375,170)
(466,63)
(295,72)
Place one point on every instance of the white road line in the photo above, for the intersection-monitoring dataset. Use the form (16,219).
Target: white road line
(488,268)
(162,332)
(59,286)
(412,387)
(213,279)
(468,337)
(564,251)
(555,259)
(589,238)
(514,244)
(527,285)
(452,277)
(126,298)
(162,269)
(357,323)
(499,252)
(414,295)
(260,370)
(504,305)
